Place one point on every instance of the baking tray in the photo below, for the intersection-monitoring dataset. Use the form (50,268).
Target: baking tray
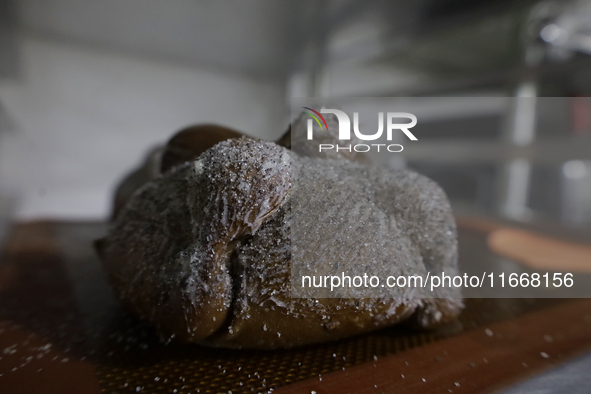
(61,330)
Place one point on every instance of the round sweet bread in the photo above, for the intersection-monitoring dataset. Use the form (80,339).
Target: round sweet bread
(204,250)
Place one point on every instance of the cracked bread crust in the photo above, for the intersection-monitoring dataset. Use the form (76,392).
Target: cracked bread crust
(204,253)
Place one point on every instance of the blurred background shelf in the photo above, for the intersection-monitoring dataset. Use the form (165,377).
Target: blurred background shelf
(543,152)
(87,88)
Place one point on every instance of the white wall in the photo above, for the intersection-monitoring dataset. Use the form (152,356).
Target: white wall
(251,36)
(84,117)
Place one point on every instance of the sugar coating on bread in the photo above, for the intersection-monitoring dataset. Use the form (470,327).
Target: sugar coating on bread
(205,251)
